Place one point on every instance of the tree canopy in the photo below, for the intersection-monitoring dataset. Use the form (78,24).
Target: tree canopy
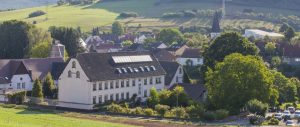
(227,44)
(37,89)
(169,36)
(14,39)
(237,80)
(117,29)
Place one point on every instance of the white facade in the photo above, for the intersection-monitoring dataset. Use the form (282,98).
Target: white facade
(80,93)
(18,82)
(140,39)
(190,61)
(259,34)
(178,77)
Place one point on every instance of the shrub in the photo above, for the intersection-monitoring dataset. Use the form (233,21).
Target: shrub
(209,116)
(221,114)
(179,112)
(149,112)
(128,14)
(195,111)
(137,111)
(115,108)
(162,109)
(256,107)
(36,14)
(273,121)
(255,119)
(9,106)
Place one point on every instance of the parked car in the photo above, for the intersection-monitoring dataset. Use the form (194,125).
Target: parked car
(289,123)
(297,114)
(286,113)
(278,116)
(291,109)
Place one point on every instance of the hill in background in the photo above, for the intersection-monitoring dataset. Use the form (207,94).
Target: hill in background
(151,11)
(18,4)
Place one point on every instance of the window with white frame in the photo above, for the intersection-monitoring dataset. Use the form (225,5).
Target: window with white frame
(127,95)
(94,100)
(18,85)
(158,80)
(100,86)
(94,87)
(73,64)
(133,82)
(117,84)
(23,85)
(145,81)
(106,85)
(111,97)
(69,74)
(122,96)
(127,83)
(105,98)
(77,74)
(111,85)
(100,99)
(151,81)
(122,83)
(117,97)
(145,93)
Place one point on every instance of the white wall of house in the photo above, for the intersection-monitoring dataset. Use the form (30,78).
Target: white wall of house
(21,82)
(178,77)
(101,93)
(80,93)
(5,86)
(74,92)
(193,61)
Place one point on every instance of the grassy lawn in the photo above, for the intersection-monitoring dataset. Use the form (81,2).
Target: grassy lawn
(25,118)
(71,16)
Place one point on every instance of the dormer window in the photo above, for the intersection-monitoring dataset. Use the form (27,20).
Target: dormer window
(124,70)
(142,69)
(73,64)
(70,74)
(153,68)
(147,67)
(119,70)
(136,70)
(77,74)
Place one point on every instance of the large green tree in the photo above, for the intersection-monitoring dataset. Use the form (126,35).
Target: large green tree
(237,80)
(287,88)
(289,33)
(68,37)
(227,44)
(117,29)
(270,48)
(41,50)
(169,36)
(48,86)
(14,39)
(37,89)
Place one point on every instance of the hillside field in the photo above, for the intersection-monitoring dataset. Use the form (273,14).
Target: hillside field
(150,11)
(70,16)
(25,118)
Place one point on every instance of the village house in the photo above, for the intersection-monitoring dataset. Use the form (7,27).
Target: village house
(102,77)
(163,55)
(19,74)
(174,73)
(190,57)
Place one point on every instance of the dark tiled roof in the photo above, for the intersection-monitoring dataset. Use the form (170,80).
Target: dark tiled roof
(38,67)
(194,91)
(57,69)
(101,67)
(170,68)
(3,80)
(156,44)
(175,47)
(191,53)
(163,55)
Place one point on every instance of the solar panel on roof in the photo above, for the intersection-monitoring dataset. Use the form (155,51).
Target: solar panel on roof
(132,59)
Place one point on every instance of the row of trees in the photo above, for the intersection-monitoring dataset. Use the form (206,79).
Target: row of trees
(45,89)
(19,40)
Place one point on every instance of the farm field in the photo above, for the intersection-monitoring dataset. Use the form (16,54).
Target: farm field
(105,12)
(24,118)
(69,16)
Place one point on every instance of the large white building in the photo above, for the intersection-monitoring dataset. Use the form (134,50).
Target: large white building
(94,78)
(260,34)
